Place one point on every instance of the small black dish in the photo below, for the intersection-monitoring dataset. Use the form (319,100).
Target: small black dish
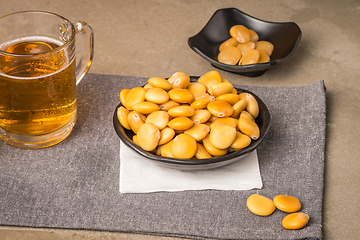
(263,121)
(284,36)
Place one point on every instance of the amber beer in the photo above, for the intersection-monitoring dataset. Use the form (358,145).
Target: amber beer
(37,95)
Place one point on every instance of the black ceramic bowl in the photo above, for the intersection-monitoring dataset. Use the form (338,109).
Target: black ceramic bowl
(284,36)
(263,121)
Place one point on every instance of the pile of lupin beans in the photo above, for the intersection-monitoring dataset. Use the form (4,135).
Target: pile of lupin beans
(177,118)
(263,206)
(244,48)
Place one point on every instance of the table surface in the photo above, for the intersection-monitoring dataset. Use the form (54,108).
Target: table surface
(149,38)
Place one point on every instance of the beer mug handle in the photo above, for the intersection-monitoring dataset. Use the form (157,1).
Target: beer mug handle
(86,50)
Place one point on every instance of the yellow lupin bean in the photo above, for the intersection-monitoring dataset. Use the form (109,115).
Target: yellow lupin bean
(224,80)
(218,89)
(146,107)
(260,205)
(254,37)
(157,95)
(222,136)
(122,114)
(230,42)
(250,57)
(148,136)
(134,96)
(295,220)
(158,150)
(198,131)
(167,134)
(267,46)
(181,111)
(201,116)
(202,102)
(134,138)
(169,104)
(201,152)
(220,108)
(264,57)
(240,33)
(166,149)
(249,128)
(212,149)
(184,146)
(123,95)
(288,204)
(230,98)
(213,118)
(229,55)
(247,115)
(252,106)
(158,82)
(196,87)
(243,95)
(198,96)
(181,123)
(159,118)
(233,122)
(179,80)
(181,95)
(135,121)
(148,86)
(245,47)
(238,107)
(210,78)
(241,141)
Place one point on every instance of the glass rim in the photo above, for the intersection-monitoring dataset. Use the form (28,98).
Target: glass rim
(65,43)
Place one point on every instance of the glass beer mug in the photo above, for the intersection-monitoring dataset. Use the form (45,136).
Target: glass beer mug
(38,76)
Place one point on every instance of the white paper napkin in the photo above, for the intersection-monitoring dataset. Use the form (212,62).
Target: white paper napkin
(140,175)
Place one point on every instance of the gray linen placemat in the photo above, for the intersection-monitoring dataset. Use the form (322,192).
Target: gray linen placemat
(75,184)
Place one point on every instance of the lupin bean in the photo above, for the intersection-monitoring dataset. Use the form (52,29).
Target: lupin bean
(295,220)
(184,146)
(229,55)
(246,40)
(135,121)
(159,118)
(240,33)
(250,57)
(260,205)
(201,152)
(222,136)
(181,111)
(167,134)
(146,107)
(148,136)
(122,114)
(288,204)
(204,117)
(198,131)
(230,42)
(220,108)
(181,95)
(230,98)
(201,116)
(134,96)
(157,95)
(267,46)
(179,80)
(249,127)
(158,82)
